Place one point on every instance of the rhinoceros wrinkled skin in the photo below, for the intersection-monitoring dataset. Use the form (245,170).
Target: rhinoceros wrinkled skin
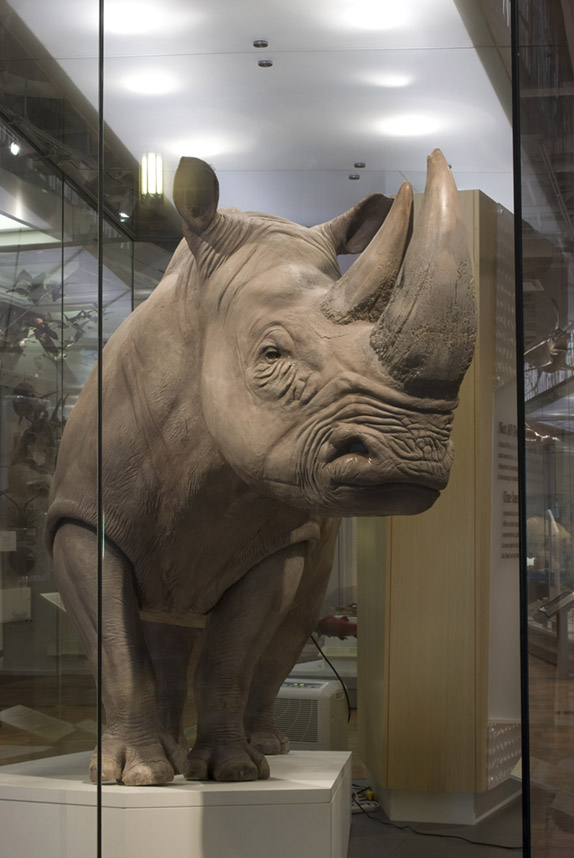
(255,398)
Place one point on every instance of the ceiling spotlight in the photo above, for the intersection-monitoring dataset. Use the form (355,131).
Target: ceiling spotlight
(260,43)
(14,148)
(265,64)
(354,177)
(359,165)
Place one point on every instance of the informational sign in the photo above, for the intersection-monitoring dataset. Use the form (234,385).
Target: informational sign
(504,672)
(506,485)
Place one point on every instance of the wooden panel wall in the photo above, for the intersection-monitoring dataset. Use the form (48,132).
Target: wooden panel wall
(423,599)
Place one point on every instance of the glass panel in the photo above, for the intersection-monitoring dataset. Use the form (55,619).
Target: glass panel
(49,279)
(546,39)
(30,369)
(284,139)
(50,94)
(49,314)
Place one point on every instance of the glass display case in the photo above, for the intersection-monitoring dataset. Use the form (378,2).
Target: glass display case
(303,112)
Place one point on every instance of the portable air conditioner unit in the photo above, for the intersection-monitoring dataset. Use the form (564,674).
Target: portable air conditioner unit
(313,714)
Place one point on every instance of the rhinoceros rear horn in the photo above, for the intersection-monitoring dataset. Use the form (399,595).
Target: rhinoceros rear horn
(425,336)
(195,194)
(363,291)
(352,231)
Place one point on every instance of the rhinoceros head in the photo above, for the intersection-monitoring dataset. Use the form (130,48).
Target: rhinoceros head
(334,393)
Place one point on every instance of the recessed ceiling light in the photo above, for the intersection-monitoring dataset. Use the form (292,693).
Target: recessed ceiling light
(203,146)
(137,17)
(409,125)
(392,80)
(354,177)
(260,43)
(131,17)
(265,64)
(359,165)
(373,15)
(151,83)
(14,148)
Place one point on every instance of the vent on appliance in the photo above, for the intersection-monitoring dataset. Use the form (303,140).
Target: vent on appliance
(313,714)
(297,718)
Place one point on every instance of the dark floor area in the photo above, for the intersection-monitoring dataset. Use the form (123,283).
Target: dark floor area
(374,837)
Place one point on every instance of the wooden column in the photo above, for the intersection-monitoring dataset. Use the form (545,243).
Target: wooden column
(424,588)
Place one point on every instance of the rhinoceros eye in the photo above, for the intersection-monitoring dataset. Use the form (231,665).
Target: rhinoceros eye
(271,354)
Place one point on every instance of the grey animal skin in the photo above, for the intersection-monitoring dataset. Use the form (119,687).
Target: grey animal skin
(255,398)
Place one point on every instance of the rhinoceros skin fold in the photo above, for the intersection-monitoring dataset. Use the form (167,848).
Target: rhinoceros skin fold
(253,400)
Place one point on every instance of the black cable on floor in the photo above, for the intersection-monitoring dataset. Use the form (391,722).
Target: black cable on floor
(435,834)
(333,668)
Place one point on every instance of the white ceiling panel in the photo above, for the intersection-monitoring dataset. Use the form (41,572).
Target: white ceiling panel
(378,82)
(148,27)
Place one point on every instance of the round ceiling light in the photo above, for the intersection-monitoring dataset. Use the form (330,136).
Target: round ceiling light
(260,43)
(140,17)
(151,83)
(203,146)
(374,15)
(265,64)
(132,17)
(392,80)
(409,125)
(354,176)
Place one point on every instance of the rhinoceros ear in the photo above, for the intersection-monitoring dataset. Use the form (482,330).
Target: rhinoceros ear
(352,231)
(195,194)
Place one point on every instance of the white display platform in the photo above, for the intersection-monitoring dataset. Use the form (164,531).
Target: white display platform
(48,810)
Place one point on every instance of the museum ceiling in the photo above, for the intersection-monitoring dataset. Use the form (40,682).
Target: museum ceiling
(349,82)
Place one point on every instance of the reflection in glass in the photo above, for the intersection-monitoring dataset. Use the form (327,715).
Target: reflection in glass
(48,346)
(547,134)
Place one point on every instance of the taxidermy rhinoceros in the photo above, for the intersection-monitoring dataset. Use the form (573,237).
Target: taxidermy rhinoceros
(255,398)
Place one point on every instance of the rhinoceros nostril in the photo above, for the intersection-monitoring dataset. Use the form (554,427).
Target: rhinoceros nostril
(358,447)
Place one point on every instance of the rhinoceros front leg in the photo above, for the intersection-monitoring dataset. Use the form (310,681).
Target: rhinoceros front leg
(275,664)
(238,630)
(284,649)
(136,748)
(170,647)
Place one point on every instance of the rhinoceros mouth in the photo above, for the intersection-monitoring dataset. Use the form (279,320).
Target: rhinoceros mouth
(392,498)
(356,460)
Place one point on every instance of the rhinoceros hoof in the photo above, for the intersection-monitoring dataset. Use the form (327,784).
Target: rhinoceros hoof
(152,762)
(269,741)
(226,762)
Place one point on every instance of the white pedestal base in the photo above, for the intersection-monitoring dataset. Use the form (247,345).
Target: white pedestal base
(48,810)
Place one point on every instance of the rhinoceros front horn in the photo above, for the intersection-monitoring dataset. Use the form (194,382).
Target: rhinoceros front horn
(425,336)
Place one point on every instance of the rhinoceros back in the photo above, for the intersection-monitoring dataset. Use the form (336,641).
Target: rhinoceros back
(149,408)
